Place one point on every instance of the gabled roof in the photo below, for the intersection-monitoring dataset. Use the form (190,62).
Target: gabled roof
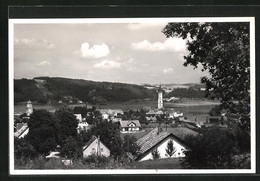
(152,139)
(22,129)
(126,123)
(93,138)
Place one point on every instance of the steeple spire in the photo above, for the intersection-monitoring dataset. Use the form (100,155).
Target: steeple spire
(160,97)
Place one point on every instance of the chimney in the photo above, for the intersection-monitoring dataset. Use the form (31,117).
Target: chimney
(158,132)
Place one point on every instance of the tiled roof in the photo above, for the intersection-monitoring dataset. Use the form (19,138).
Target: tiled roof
(125,123)
(151,139)
(181,132)
(21,130)
(93,138)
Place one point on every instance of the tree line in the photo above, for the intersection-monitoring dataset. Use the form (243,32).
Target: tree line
(58,132)
(186,93)
(88,91)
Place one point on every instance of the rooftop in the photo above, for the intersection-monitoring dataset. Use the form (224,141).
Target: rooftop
(125,123)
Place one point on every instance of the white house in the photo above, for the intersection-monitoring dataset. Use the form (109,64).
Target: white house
(95,146)
(78,117)
(129,126)
(82,123)
(83,126)
(22,130)
(110,113)
(175,114)
(159,140)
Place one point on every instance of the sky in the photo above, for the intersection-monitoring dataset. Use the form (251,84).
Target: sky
(114,52)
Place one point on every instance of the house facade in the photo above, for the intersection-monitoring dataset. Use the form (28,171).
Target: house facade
(95,147)
(156,140)
(129,126)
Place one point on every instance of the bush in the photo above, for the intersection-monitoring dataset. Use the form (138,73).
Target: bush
(214,149)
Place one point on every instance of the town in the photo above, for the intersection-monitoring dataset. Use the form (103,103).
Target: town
(154,133)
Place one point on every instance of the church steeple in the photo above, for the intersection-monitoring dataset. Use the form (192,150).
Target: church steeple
(29,109)
(160,97)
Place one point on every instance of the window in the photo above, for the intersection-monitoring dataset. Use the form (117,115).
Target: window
(101,149)
(93,150)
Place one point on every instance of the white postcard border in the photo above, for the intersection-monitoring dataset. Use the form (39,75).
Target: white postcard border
(13,171)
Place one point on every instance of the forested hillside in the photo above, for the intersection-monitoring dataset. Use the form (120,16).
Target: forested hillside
(186,93)
(44,89)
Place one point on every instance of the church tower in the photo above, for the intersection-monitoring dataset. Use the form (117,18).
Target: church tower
(29,109)
(160,98)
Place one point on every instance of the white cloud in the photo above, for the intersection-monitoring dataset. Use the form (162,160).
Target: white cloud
(35,43)
(170,44)
(168,70)
(44,63)
(138,26)
(96,51)
(106,64)
(24,41)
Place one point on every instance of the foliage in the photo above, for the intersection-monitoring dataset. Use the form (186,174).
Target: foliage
(80,110)
(241,161)
(186,93)
(215,111)
(223,50)
(170,150)
(25,89)
(39,162)
(67,124)
(129,144)
(43,134)
(94,117)
(214,149)
(22,148)
(71,148)
(161,118)
(109,134)
(156,154)
(47,130)
(92,162)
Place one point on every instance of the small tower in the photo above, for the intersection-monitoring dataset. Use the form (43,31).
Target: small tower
(29,109)
(160,98)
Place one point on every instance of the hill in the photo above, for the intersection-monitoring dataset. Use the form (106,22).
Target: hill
(44,89)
